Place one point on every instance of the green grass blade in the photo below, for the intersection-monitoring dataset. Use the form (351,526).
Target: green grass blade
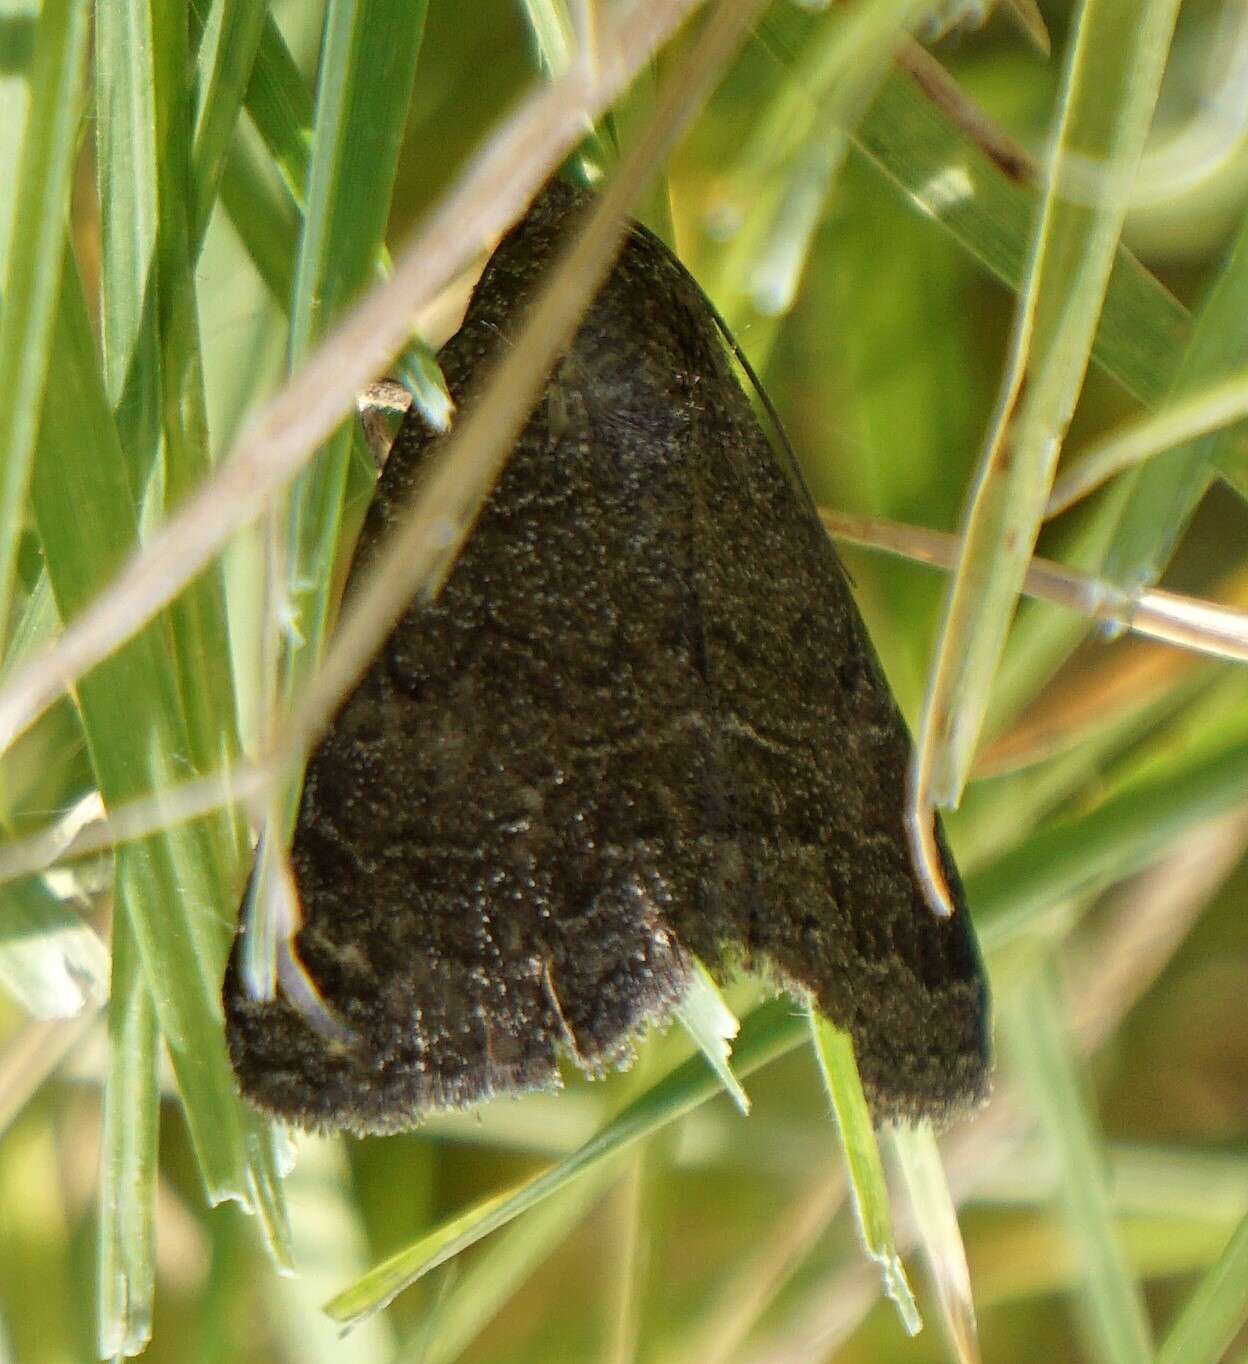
(1163,496)
(767,1033)
(780,179)
(835,1053)
(552,32)
(1203,411)
(36,251)
(1117,1319)
(1116,63)
(1125,833)
(126,182)
(17,26)
(126,1267)
(148,195)
(1216,1311)
(51,963)
(264,216)
(197,617)
(936,1225)
(266,220)
(798,109)
(87,522)
(1142,328)
(226,54)
(368,65)
(282,108)
(150,326)
(712,1025)
(502,1267)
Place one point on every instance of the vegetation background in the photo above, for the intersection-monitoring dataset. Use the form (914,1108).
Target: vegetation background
(190,192)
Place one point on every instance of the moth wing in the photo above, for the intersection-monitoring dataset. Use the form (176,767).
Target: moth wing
(642,719)
(813,875)
(494,829)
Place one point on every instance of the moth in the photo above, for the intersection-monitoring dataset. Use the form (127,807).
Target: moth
(641,723)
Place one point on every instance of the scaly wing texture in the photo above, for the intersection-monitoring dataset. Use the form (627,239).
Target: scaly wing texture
(641,720)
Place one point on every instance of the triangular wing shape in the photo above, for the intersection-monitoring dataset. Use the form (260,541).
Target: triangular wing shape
(642,720)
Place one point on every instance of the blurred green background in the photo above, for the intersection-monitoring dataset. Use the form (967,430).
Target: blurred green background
(213,237)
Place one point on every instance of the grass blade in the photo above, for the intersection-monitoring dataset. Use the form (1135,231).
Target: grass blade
(126,182)
(36,251)
(368,65)
(192,715)
(51,963)
(1115,68)
(1117,1319)
(989,208)
(937,1232)
(766,1034)
(87,522)
(1126,832)
(226,54)
(1216,1310)
(126,1267)
(712,1026)
(1163,496)
(835,1053)
(1195,415)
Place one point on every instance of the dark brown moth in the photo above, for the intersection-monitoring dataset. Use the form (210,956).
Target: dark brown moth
(642,721)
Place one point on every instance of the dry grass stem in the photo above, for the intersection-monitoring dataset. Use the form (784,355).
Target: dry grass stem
(1202,626)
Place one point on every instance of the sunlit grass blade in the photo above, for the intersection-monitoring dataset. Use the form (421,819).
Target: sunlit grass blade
(835,1053)
(1216,1310)
(51,963)
(1190,417)
(1119,836)
(128,188)
(282,108)
(503,1266)
(767,1033)
(224,58)
(150,328)
(776,188)
(125,1269)
(197,618)
(1117,1319)
(35,254)
(1163,495)
(1142,328)
(87,523)
(330,1246)
(553,35)
(1114,70)
(938,1234)
(712,1025)
(368,64)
